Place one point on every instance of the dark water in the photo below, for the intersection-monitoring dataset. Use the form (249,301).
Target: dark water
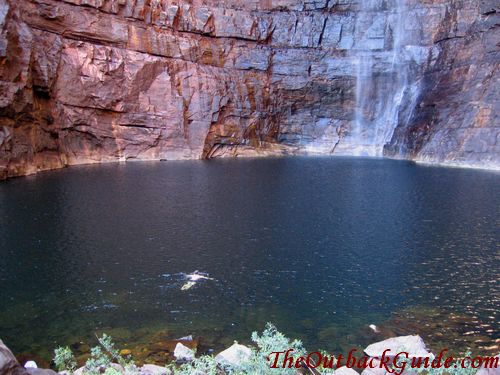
(321,247)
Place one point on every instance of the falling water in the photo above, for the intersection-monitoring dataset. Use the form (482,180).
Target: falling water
(382,73)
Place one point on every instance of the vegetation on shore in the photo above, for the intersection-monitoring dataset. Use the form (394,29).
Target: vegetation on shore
(105,355)
(105,359)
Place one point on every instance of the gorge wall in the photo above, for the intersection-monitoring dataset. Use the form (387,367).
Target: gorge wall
(88,81)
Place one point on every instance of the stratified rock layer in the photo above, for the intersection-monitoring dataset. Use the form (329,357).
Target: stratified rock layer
(455,118)
(88,81)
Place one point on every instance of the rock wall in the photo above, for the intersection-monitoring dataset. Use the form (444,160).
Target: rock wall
(455,117)
(88,81)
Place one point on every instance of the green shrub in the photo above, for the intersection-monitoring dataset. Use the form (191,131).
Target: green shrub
(99,361)
(102,356)
(204,365)
(270,341)
(64,359)
(112,371)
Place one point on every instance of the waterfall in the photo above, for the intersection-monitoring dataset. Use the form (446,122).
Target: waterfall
(382,73)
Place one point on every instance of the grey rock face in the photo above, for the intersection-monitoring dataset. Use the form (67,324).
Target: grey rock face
(97,81)
(8,363)
(454,119)
(39,371)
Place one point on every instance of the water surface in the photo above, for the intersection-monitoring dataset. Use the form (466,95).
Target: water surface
(322,247)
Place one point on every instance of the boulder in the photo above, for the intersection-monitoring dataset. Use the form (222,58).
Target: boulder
(344,370)
(377,370)
(153,370)
(413,345)
(235,355)
(490,371)
(8,363)
(183,353)
(40,371)
(30,364)
(381,370)
(374,371)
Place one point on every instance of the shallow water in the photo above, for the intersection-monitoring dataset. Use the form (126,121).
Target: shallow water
(322,247)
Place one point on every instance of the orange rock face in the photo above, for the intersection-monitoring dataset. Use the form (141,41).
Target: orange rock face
(89,81)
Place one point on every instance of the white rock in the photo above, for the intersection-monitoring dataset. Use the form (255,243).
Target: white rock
(234,356)
(344,370)
(413,345)
(153,370)
(30,364)
(376,370)
(490,371)
(380,370)
(183,353)
(369,371)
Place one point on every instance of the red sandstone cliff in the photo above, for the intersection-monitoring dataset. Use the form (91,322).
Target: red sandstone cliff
(87,81)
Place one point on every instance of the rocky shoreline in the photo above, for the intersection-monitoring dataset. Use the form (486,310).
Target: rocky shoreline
(238,355)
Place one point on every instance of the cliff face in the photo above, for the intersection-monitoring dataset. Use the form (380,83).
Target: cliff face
(455,117)
(85,81)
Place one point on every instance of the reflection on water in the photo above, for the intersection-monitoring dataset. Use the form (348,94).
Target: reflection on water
(321,247)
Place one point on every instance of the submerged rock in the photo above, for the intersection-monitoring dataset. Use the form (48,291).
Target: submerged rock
(196,276)
(188,285)
(236,355)
(413,345)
